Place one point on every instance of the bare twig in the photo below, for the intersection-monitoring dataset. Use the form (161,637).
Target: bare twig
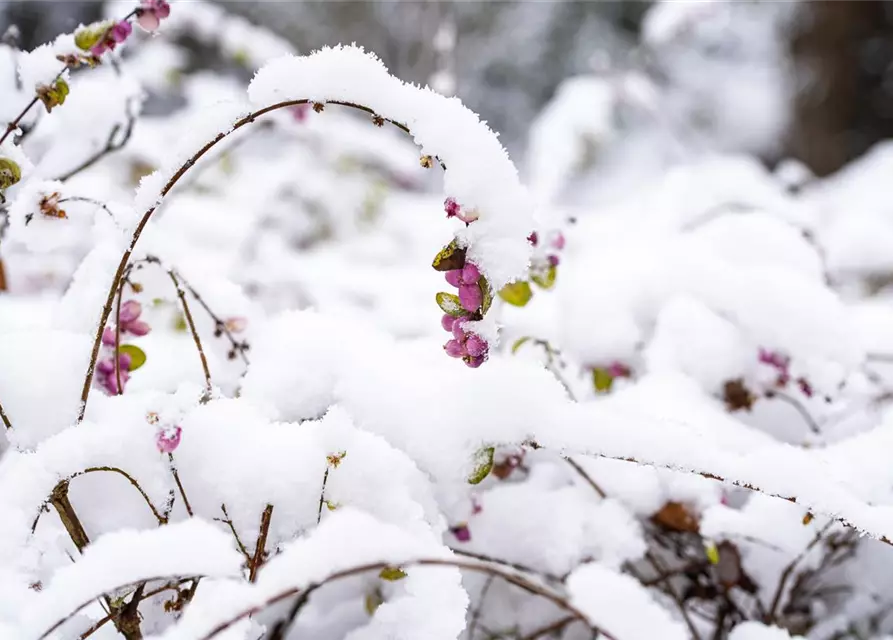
(552,627)
(322,496)
(281,629)
(111,145)
(232,528)
(5,418)
(505,563)
(179,485)
(195,337)
(789,569)
(476,614)
(260,548)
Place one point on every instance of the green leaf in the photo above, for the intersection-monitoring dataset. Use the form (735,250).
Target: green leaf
(517,293)
(87,37)
(450,257)
(519,343)
(10,173)
(373,601)
(484,465)
(486,295)
(391,574)
(137,355)
(450,304)
(602,380)
(712,552)
(546,279)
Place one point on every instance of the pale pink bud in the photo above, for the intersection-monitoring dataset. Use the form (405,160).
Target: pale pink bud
(236,324)
(106,365)
(162,9)
(137,328)
(148,20)
(168,439)
(124,361)
(471,297)
(558,241)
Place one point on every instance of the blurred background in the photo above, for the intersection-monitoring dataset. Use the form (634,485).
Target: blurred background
(807,80)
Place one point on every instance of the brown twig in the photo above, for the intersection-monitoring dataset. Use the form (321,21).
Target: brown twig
(260,548)
(180,488)
(120,389)
(322,496)
(138,231)
(552,627)
(232,528)
(195,337)
(789,569)
(110,147)
(582,472)
(505,563)
(5,418)
(476,614)
(236,347)
(281,628)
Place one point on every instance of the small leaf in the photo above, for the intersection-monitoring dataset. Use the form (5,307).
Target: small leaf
(602,380)
(808,518)
(519,343)
(180,323)
(373,601)
(137,355)
(484,465)
(450,304)
(87,37)
(517,293)
(712,552)
(450,257)
(486,295)
(391,574)
(545,279)
(10,173)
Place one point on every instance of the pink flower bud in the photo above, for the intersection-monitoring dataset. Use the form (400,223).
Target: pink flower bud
(462,532)
(447,322)
(137,328)
(108,337)
(553,261)
(454,277)
(558,241)
(106,365)
(454,349)
(124,361)
(470,274)
(805,387)
(533,238)
(162,9)
(774,359)
(451,207)
(168,439)
(474,362)
(475,345)
(618,370)
(470,297)
(121,31)
(130,311)
(458,331)
(98,49)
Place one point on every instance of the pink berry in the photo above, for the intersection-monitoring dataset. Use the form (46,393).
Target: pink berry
(454,349)
(162,9)
(121,31)
(106,365)
(533,238)
(475,345)
(553,261)
(447,322)
(108,337)
(462,532)
(470,297)
(130,311)
(454,277)
(451,207)
(458,331)
(470,274)
(558,241)
(148,19)
(474,362)
(137,328)
(168,440)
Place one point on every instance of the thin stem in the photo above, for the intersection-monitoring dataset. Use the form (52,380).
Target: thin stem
(552,627)
(476,614)
(120,389)
(175,178)
(807,417)
(12,126)
(260,548)
(582,472)
(180,488)
(220,325)
(195,337)
(322,495)
(789,569)
(281,629)
(505,563)
(110,147)
(232,528)
(5,418)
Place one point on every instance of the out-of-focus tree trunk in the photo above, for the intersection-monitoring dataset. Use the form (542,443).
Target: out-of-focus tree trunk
(841,51)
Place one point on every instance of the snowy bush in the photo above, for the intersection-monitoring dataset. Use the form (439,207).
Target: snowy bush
(230,405)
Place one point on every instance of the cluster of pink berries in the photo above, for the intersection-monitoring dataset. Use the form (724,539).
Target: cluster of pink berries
(149,16)
(469,346)
(129,323)
(781,363)
(556,241)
